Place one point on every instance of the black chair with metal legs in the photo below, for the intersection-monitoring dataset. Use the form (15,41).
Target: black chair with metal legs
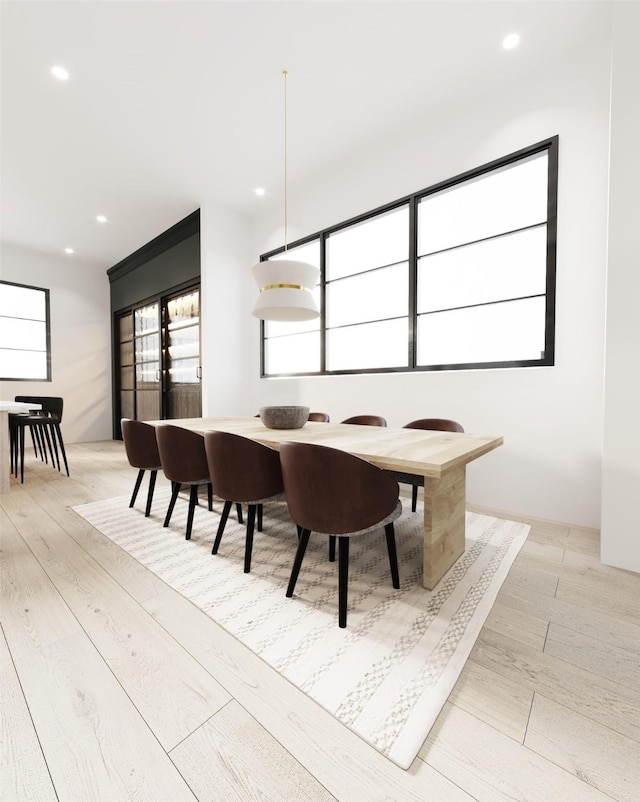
(44,426)
(244,472)
(334,493)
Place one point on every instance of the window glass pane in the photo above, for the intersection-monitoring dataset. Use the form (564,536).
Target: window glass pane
(310,253)
(23,364)
(184,310)
(502,200)
(375,295)
(511,266)
(146,319)
(371,345)
(28,335)
(378,241)
(148,372)
(509,331)
(147,348)
(184,371)
(295,353)
(23,302)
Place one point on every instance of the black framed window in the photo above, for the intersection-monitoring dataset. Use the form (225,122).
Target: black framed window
(25,340)
(460,275)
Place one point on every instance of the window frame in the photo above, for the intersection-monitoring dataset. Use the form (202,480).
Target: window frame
(551,146)
(47,323)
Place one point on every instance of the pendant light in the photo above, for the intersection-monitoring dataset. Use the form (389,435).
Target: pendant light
(286,285)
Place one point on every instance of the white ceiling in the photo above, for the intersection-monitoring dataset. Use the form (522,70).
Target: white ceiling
(171,104)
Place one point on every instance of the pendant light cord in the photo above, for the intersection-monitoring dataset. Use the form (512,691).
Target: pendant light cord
(284,76)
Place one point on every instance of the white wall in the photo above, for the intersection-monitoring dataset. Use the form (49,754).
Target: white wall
(80,339)
(620,542)
(551,418)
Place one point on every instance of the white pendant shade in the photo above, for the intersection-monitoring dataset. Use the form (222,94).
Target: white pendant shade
(286,290)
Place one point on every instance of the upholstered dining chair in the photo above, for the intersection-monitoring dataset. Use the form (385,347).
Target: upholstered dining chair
(331,492)
(434,424)
(142,452)
(183,461)
(366,420)
(322,417)
(245,472)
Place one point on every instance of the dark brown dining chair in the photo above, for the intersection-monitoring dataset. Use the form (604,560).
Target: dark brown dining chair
(322,417)
(245,472)
(434,424)
(142,452)
(331,492)
(366,420)
(183,461)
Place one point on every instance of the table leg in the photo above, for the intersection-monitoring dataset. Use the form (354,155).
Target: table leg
(444,509)
(4,451)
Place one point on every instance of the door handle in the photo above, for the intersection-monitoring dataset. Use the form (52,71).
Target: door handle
(199,372)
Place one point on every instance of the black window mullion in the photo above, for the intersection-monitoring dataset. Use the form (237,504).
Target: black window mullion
(412,326)
(552,234)
(323,302)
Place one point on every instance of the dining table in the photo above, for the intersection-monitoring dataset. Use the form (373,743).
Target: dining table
(5,456)
(440,457)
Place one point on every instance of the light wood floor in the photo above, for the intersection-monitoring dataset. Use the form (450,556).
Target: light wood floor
(116,688)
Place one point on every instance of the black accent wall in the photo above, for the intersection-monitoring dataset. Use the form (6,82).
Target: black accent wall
(169,260)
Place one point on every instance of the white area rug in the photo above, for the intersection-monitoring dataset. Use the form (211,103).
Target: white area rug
(388,674)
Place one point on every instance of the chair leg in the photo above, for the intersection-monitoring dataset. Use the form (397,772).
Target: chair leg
(136,487)
(58,432)
(210,497)
(414,497)
(302,547)
(248,545)
(239,513)
(332,548)
(343,576)
(223,521)
(44,433)
(393,555)
(152,484)
(193,503)
(36,450)
(260,517)
(39,439)
(12,435)
(175,489)
(21,456)
(55,446)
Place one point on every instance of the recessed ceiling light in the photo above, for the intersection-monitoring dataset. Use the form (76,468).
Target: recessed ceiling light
(260,191)
(69,250)
(60,73)
(101,218)
(511,41)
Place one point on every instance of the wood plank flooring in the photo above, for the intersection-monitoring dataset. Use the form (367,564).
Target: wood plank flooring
(115,688)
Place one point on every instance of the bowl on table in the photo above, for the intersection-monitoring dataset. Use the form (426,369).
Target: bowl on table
(284,417)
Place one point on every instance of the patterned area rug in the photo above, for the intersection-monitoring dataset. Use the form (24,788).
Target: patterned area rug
(388,674)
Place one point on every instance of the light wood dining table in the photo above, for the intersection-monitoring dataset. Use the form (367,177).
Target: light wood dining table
(5,456)
(441,457)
